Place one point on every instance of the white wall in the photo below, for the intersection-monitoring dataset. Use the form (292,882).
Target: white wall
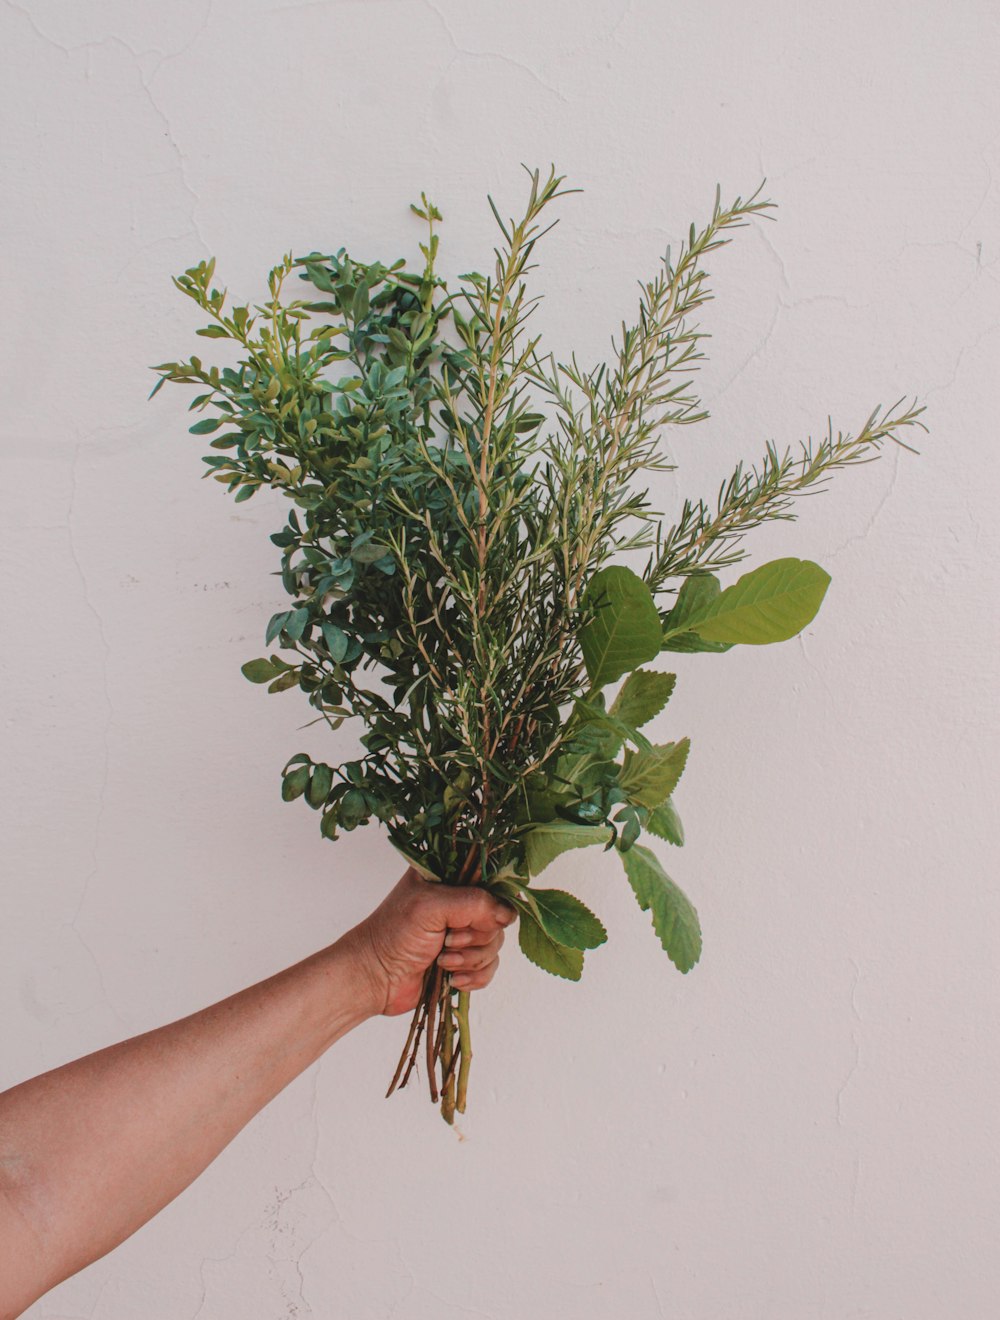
(804,1127)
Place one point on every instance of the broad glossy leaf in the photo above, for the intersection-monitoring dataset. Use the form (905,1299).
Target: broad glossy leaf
(689,643)
(770,604)
(336,641)
(277,622)
(295,624)
(625,630)
(258,671)
(643,695)
(674,917)
(567,920)
(289,679)
(368,553)
(698,593)
(544,951)
(649,778)
(319,785)
(545,841)
(294,784)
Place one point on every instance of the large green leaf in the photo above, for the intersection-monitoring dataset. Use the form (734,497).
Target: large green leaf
(544,951)
(770,604)
(258,671)
(566,920)
(625,631)
(643,695)
(698,592)
(648,778)
(544,842)
(664,822)
(295,783)
(690,643)
(674,917)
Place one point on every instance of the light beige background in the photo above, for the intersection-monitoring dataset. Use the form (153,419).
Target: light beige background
(802,1129)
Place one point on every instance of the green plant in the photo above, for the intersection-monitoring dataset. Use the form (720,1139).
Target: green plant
(462,507)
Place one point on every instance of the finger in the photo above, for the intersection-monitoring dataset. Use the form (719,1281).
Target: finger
(476,980)
(470,960)
(463,907)
(469,937)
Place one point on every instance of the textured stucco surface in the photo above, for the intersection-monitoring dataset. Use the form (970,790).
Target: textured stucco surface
(805,1126)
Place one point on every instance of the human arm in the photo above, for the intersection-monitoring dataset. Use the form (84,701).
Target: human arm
(91,1150)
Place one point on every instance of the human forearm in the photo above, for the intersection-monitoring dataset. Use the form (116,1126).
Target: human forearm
(91,1150)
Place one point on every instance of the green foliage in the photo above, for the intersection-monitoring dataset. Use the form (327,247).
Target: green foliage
(545,952)
(452,560)
(624,630)
(543,843)
(649,777)
(674,917)
(664,822)
(566,920)
(770,604)
(642,696)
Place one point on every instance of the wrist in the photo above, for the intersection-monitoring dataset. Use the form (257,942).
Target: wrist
(364,970)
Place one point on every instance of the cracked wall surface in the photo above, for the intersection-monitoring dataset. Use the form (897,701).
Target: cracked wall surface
(803,1128)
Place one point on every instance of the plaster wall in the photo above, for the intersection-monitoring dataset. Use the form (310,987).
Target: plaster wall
(804,1127)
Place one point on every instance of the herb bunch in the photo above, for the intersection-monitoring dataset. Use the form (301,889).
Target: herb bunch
(462,504)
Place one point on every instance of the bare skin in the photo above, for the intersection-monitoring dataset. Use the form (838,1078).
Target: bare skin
(93,1149)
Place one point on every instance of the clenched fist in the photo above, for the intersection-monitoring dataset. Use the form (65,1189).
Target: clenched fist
(420,921)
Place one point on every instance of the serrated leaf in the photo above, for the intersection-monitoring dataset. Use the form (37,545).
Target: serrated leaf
(543,842)
(664,822)
(258,671)
(675,919)
(648,778)
(566,920)
(617,730)
(625,630)
(770,604)
(545,952)
(643,694)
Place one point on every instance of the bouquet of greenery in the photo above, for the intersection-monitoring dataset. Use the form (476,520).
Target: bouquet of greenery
(463,506)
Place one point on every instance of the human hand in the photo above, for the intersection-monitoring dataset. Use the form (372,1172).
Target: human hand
(420,920)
